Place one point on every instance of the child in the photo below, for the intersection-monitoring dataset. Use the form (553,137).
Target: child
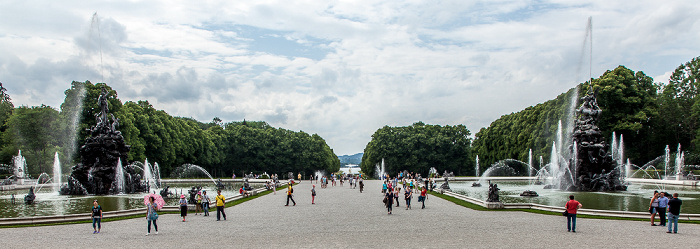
(313,194)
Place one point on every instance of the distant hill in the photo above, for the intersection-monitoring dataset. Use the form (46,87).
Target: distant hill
(350,159)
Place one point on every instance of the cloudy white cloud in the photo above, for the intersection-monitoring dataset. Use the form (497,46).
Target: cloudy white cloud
(341,69)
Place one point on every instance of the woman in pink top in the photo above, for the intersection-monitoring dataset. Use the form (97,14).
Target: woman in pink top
(571,207)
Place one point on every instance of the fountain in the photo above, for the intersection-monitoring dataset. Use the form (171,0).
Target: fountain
(20,167)
(29,198)
(57,172)
(100,155)
(593,166)
(380,170)
(476,170)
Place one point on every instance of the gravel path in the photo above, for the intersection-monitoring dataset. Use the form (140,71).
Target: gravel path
(343,217)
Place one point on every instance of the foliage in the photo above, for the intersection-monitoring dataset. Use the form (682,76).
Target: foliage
(155,135)
(419,147)
(629,102)
(513,135)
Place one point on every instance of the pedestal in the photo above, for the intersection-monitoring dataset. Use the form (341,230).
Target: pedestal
(494,205)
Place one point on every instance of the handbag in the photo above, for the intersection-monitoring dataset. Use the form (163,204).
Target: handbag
(651,210)
(154,216)
(565,213)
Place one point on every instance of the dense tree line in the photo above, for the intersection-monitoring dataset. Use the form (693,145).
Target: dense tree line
(221,148)
(419,147)
(649,115)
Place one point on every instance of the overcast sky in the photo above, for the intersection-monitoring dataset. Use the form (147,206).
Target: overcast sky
(341,69)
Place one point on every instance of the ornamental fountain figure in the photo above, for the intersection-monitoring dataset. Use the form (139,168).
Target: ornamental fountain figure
(101,155)
(592,167)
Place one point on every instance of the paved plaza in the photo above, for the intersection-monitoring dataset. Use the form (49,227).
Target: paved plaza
(343,217)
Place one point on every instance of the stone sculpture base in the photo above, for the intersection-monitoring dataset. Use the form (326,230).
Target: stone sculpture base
(494,205)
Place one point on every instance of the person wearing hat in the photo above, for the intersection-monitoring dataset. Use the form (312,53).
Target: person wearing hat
(183,207)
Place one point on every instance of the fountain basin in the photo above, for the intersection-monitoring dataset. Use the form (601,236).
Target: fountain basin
(635,199)
(49,203)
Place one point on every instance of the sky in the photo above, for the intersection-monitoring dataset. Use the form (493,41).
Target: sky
(340,69)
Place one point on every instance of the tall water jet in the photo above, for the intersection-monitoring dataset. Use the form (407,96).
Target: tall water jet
(57,172)
(380,170)
(667,160)
(119,175)
(529,166)
(476,167)
(554,165)
(679,163)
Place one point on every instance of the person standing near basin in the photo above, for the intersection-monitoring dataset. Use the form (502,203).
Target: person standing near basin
(97,216)
(653,205)
(151,215)
(205,203)
(183,207)
(571,207)
(220,201)
(674,210)
(663,203)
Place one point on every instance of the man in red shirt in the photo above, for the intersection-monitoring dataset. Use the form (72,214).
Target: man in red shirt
(571,207)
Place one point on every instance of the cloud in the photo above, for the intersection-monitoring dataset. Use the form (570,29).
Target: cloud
(339,69)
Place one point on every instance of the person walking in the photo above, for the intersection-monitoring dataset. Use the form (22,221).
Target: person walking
(151,215)
(384,187)
(389,198)
(96,216)
(396,196)
(205,203)
(423,196)
(290,191)
(313,193)
(362,185)
(653,204)
(220,202)
(571,207)
(408,195)
(663,203)
(674,210)
(183,207)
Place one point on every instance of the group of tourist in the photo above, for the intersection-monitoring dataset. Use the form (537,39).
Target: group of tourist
(392,192)
(658,205)
(152,214)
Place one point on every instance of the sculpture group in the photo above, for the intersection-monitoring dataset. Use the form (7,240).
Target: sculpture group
(593,166)
(97,172)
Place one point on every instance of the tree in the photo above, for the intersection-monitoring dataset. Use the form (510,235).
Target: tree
(419,147)
(33,130)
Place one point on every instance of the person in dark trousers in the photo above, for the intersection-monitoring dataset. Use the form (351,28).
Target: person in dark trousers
(151,215)
(674,210)
(96,216)
(205,203)
(571,207)
(423,196)
(220,202)
(290,191)
(313,193)
(389,198)
(663,203)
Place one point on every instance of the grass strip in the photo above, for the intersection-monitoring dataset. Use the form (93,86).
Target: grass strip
(535,211)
